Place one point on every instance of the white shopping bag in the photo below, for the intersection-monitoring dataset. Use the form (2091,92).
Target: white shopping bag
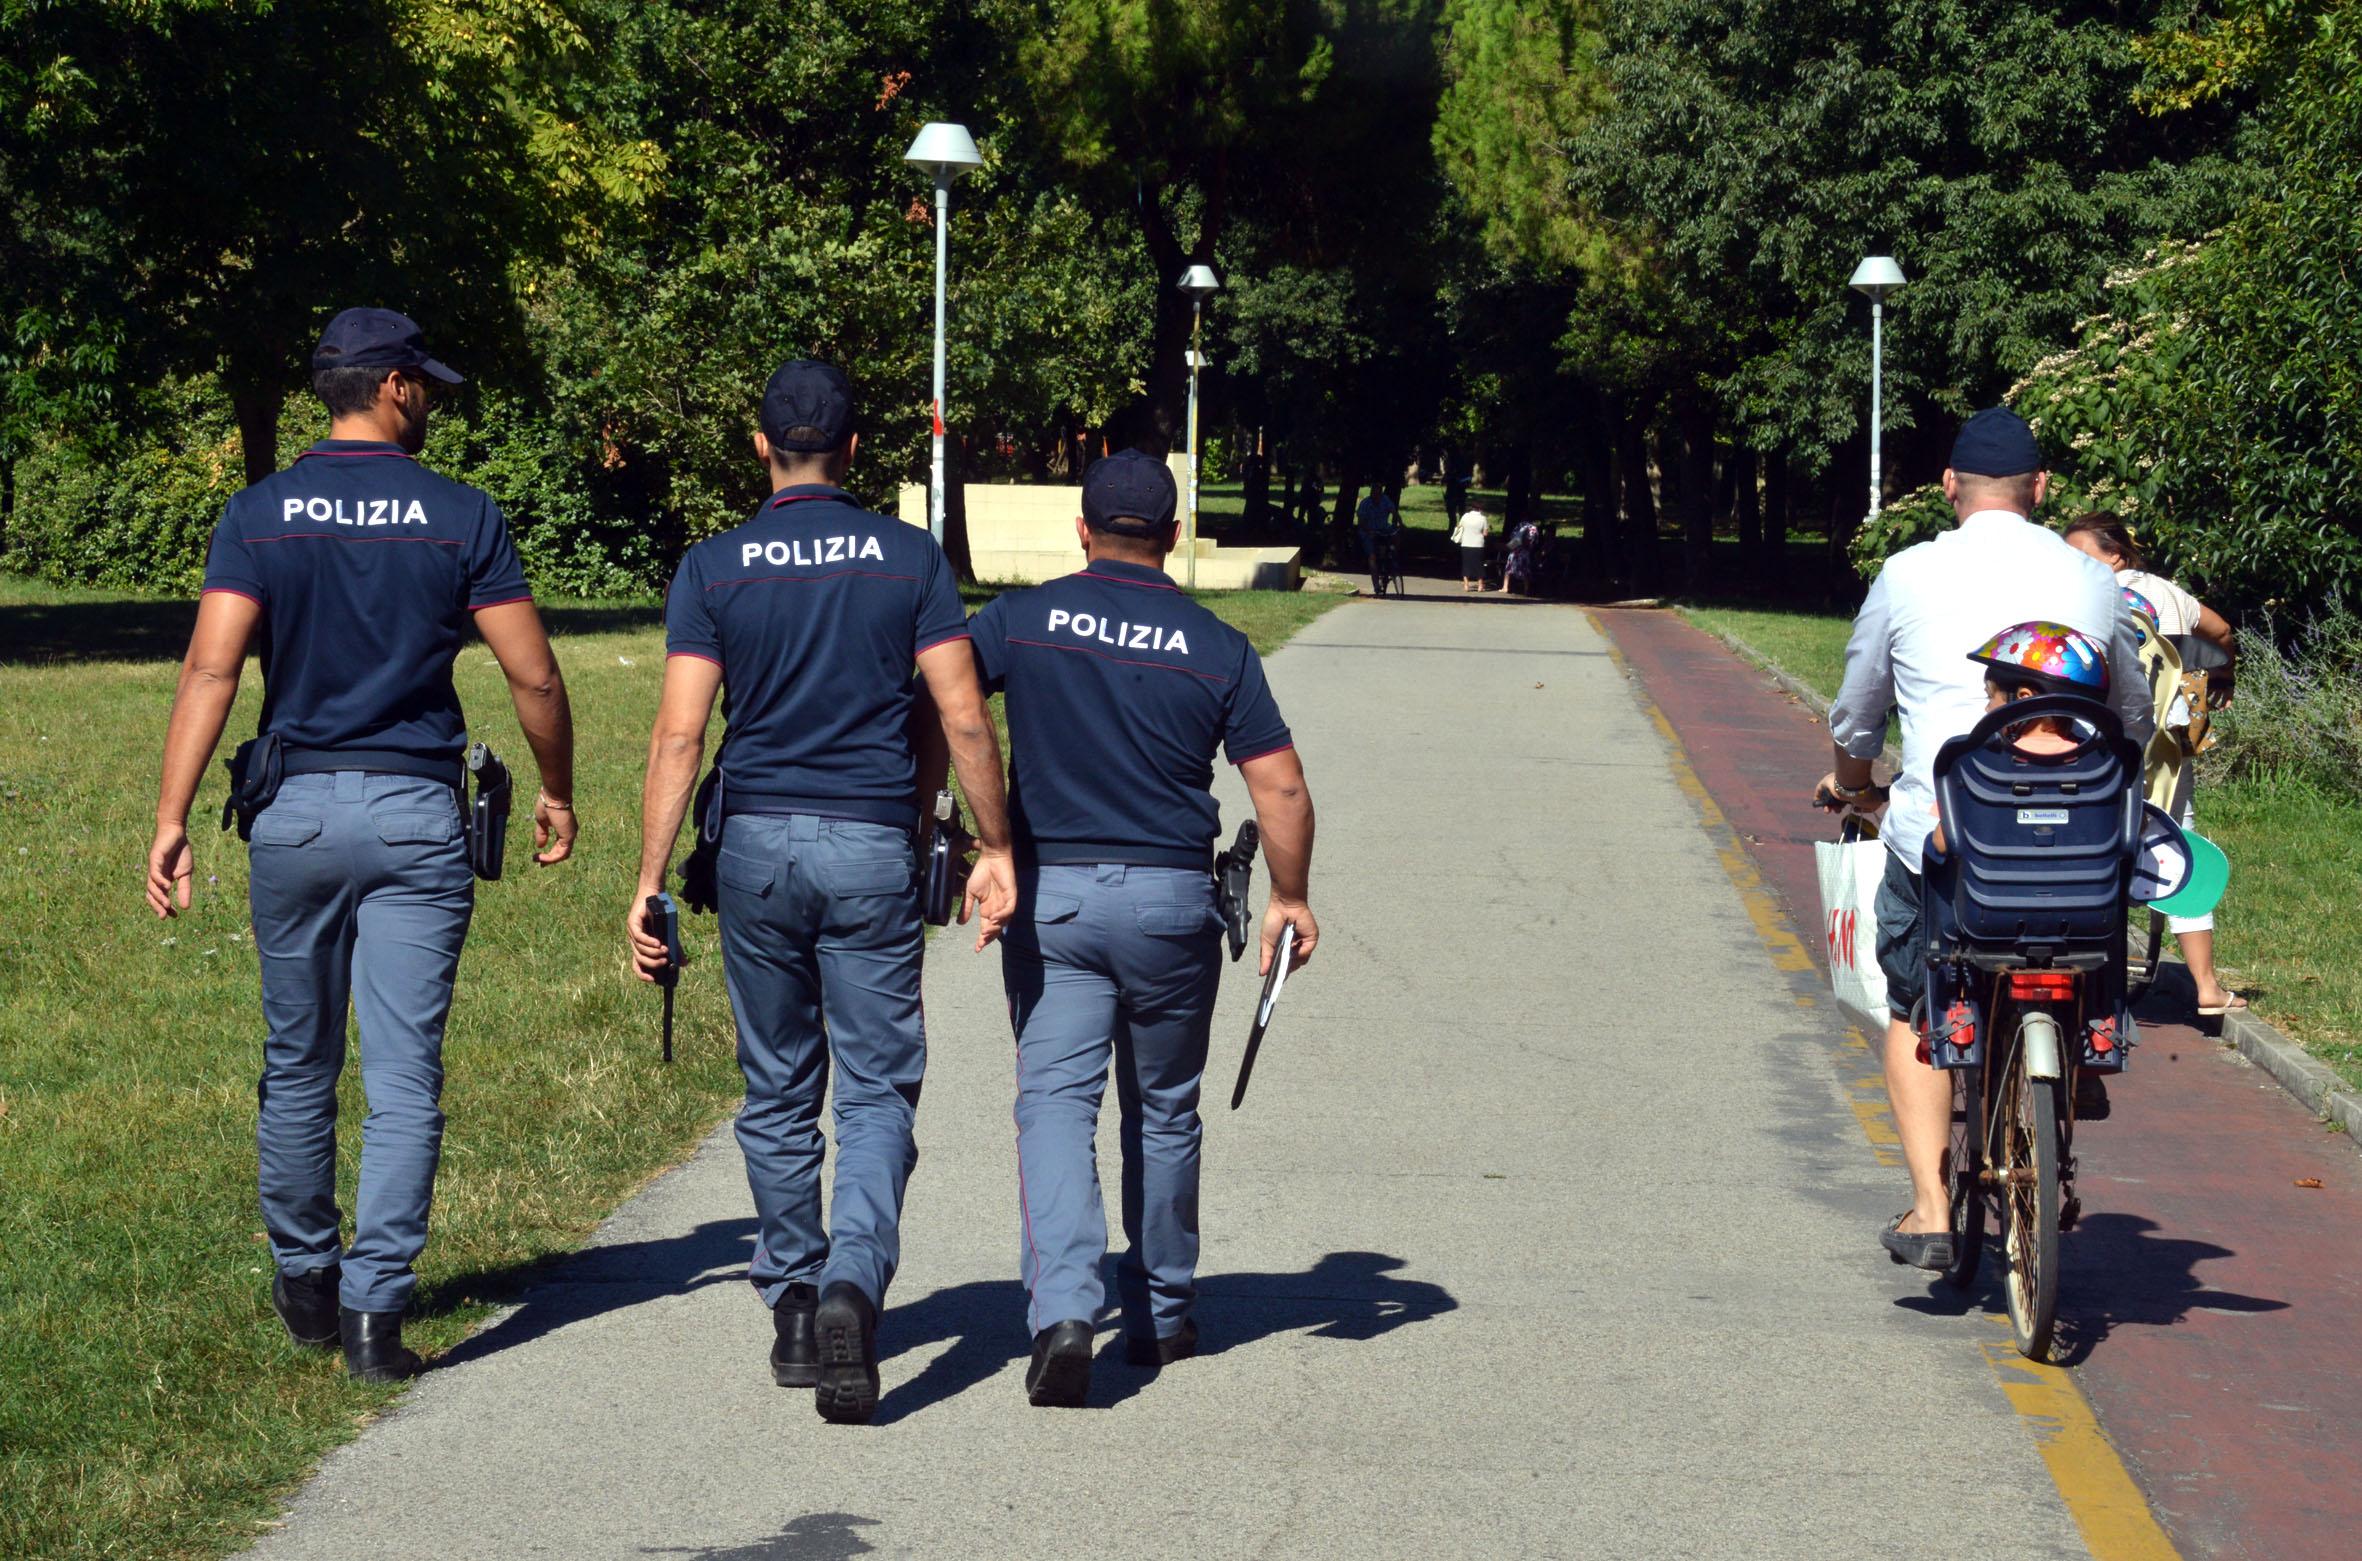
(1851,871)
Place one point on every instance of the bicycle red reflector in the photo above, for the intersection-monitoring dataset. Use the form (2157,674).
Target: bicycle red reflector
(2042,984)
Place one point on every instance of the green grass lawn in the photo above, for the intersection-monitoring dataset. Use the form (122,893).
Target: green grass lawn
(2288,936)
(149,1403)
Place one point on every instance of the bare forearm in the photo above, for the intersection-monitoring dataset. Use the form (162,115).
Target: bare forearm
(664,800)
(1853,771)
(1285,822)
(548,722)
(976,755)
(200,709)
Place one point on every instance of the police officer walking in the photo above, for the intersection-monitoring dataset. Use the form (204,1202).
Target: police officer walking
(1120,690)
(807,619)
(359,573)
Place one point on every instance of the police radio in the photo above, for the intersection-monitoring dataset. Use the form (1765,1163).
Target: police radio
(664,920)
(947,862)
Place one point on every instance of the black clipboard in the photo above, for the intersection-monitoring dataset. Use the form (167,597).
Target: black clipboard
(1273,982)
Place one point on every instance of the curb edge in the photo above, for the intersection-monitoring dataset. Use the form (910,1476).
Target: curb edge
(2312,1083)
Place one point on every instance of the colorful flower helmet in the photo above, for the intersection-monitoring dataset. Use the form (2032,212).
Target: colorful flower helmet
(2047,656)
(2144,608)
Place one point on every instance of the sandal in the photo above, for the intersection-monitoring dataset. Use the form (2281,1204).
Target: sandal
(2217,1010)
(1931,1250)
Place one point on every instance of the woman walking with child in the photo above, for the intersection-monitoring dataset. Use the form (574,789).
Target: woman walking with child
(2175,613)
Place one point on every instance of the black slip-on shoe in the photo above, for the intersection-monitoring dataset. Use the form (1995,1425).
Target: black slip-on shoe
(845,1336)
(306,1304)
(1932,1251)
(1060,1376)
(373,1349)
(795,1353)
(1179,1345)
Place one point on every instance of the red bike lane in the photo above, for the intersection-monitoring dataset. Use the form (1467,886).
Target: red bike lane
(2210,1303)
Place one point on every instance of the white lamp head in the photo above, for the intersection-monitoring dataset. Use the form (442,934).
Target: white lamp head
(1198,281)
(1876,277)
(944,150)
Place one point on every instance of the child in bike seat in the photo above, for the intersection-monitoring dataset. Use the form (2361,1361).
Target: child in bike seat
(2027,659)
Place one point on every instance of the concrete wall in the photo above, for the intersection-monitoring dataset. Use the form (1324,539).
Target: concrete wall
(1023,534)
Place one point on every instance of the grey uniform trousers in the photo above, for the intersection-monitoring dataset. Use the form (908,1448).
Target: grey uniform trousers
(1111,962)
(820,926)
(361,894)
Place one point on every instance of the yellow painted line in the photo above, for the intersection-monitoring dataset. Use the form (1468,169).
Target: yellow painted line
(2109,1510)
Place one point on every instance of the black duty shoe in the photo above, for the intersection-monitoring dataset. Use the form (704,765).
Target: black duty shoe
(306,1303)
(845,1336)
(373,1350)
(1060,1376)
(1164,1351)
(795,1354)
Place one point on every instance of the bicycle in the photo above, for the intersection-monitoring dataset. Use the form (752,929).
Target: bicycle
(1386,568)
(2023,914)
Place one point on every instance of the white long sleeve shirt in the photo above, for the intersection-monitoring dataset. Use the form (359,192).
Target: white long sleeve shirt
(1936,604)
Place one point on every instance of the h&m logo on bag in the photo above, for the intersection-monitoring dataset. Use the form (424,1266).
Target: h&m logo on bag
(1844,924)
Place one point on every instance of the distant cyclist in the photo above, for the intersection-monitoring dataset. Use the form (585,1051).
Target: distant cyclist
(1927,613)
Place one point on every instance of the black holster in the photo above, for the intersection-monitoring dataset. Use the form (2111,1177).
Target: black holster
(698,890)
(487,813)
(1234,881)
(945,866)
(256,769)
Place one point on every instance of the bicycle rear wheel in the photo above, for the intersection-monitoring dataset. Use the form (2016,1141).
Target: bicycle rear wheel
(1964,1163)
(2029,1155)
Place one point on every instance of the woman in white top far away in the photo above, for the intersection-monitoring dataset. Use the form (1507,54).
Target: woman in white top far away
(2112,542)
(1470,533)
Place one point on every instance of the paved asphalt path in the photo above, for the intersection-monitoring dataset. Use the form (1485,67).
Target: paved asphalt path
(1548,1230)
(2209,1302)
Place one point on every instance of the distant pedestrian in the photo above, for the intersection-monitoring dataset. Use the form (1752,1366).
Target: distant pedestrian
(1469,534)
(2176,613)
(1519,561)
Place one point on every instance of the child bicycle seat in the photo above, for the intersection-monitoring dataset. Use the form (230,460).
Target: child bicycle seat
(2035,874)
(2039,848)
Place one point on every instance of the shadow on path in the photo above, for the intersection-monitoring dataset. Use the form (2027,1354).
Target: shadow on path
(590,1283)
(819,1536)
(1346,1295)
(2114,1272)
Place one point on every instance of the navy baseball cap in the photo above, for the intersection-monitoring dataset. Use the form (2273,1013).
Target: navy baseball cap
(805,394)
(1130,493)
(1996,443)
(377,339)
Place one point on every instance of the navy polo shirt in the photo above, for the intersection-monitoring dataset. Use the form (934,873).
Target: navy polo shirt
(1120,689)
(814,609)
(367,566)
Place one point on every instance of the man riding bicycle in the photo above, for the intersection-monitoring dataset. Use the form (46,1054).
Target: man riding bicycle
(1931,607)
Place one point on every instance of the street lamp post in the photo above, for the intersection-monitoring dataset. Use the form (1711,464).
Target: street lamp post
(1874,278)
(944,151)
(1198,282)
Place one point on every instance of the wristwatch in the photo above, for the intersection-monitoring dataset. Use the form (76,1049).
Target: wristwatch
(1844,793)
